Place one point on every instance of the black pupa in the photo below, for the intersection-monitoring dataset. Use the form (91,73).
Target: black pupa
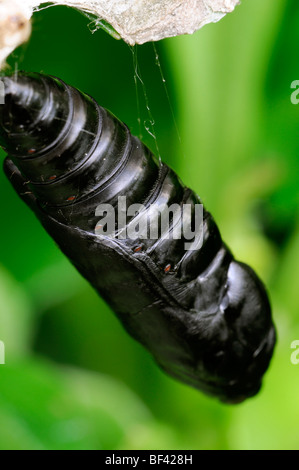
(204,316)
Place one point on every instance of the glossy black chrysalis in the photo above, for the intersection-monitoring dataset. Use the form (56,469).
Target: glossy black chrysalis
(204,316)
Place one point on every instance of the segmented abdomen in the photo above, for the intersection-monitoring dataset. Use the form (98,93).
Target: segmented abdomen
(205,317)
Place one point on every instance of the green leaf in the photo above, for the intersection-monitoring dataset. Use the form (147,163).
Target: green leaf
(16,317)
(49,407)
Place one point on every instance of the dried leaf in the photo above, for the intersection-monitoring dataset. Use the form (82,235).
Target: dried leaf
(15,26)
(136,21)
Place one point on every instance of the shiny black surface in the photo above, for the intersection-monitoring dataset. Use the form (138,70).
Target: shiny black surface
(205,317)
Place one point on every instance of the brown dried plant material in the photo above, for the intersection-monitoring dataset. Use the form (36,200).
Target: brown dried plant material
(136,21)
(15,27)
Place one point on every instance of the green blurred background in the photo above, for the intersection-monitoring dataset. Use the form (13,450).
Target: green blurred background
(73,378)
